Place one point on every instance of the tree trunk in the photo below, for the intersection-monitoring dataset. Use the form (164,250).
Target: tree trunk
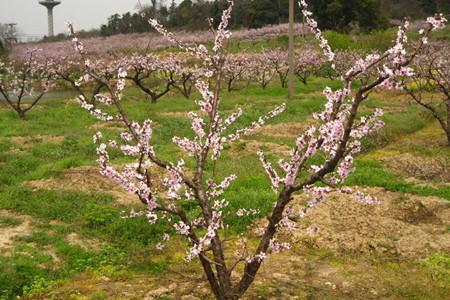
(448,120)
(251,269)
(21,114)
(230,83)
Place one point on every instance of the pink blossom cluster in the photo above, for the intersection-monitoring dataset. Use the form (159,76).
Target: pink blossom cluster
(209,138)
(222,32)
(259,258)
(437,22)
(307,62)
(247,212)
(277,247)
(312,24)
(260,70)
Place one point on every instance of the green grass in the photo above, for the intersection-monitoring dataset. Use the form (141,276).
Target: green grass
(65,206)
(6,221)
(372,173)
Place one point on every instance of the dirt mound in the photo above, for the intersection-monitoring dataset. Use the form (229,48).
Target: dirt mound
(85,179)
(86,244)
(424,168)
(254,146)
(89,179)
(107,125)
(284,130)
(8,233)
(179,114)
(402,225)
(28,141)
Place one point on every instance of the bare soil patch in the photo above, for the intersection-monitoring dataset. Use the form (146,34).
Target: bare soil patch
(85,179)
(107,125)
(423,168)
(402,225)
(179,114)
(49,250)
(431,136)
(421,156)
(252,146)
(8,234)
(28,141)
(89,179)
(86,244)
(291,129)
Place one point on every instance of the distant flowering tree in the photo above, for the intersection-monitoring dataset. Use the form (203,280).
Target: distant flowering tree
(70,71)
(320,160)
(260,70)
(24,79)
(307,61)
(150,73)
(236,68)
(278,59)
(186,73)
(433,75)
(344,60)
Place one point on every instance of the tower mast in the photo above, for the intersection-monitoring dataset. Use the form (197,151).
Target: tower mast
(50,4)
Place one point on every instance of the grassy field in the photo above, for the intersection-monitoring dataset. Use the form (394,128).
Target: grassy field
(62,235)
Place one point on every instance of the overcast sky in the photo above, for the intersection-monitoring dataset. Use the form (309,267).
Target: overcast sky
(31,17)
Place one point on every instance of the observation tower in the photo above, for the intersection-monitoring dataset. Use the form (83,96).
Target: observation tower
(50,4)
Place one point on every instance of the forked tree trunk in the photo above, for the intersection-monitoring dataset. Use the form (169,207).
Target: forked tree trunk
(230,85)
(21,114)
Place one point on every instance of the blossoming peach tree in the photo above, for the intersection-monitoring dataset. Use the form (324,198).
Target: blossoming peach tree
(319,162)
(142,68)
(431,87)
(24,79)
(69,71)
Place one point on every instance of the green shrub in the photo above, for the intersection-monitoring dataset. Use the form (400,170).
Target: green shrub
(377,40)
(38,287)
(108,256)
(98,215)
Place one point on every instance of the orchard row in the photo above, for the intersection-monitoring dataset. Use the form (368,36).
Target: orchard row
(157,75)
(130,43)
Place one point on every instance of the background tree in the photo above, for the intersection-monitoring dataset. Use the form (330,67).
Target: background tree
(342,15)
(21,80)
(433,75)
(399,9)
(8,36)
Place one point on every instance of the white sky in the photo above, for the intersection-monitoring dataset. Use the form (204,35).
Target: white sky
(31,17)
